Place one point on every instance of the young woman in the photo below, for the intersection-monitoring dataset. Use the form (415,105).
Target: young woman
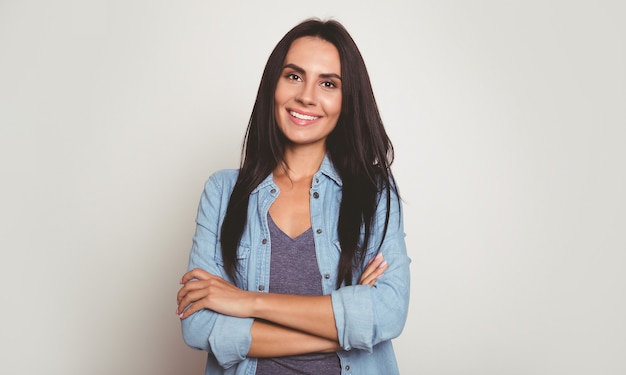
(298,264)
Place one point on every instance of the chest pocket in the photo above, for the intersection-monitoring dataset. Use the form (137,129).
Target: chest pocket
(241,274)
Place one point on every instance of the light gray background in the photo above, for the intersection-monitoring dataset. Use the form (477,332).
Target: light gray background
(508,119)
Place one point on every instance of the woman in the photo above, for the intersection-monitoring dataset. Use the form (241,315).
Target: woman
(298,264)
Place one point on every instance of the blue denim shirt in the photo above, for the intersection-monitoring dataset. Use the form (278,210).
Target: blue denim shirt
(367,318)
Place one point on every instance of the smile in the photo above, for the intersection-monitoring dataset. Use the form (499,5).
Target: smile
(302,116)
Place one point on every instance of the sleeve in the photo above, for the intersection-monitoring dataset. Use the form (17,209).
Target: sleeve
(227,338)
(366,316)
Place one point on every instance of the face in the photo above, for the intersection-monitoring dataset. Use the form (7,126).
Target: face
(308,94)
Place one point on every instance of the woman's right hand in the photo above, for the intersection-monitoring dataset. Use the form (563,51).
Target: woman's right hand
(375,269)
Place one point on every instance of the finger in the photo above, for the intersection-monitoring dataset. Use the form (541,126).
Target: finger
(191,286)
(190,310)
(373,264)
(186,288)
(371,267)
(196,273)
(196,290)
(192,298)
(376,274)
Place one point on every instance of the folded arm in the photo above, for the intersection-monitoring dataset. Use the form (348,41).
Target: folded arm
(311,315)
(275,325)
(272,340)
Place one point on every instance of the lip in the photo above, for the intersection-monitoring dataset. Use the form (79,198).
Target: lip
(300,121)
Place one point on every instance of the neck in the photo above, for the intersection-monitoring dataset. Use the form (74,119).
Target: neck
(301,162)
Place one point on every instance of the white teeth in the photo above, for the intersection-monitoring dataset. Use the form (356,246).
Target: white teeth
(301,116)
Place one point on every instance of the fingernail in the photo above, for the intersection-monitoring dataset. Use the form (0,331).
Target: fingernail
(180,315)
(384,263)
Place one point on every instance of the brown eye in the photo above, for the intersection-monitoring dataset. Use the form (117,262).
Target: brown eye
(293,77)
(329,84)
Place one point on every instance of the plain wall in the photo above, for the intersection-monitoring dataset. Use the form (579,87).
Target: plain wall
(508,119)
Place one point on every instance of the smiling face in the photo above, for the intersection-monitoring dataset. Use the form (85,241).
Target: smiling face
(308,93)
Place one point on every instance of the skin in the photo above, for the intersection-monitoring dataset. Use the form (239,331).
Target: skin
(310,85)
(285,324)
(308,105)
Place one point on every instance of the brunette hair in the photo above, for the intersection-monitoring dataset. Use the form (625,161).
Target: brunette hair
(358,147)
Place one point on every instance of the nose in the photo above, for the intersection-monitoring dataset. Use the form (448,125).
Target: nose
(307,95)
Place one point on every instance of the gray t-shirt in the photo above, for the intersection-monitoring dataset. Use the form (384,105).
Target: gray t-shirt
(294,270)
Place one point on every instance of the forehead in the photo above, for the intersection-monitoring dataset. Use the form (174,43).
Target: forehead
(314,51)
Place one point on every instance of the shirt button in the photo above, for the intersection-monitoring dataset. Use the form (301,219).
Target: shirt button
(327,276)
(317,180)
(273,191)
(316,195)
(261,288)
(319,231)
(264,241)
(347,367)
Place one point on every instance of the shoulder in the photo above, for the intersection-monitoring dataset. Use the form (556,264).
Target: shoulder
(225,175)
(222,180)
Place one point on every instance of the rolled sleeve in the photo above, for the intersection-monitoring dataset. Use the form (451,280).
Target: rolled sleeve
(354,330)
(230,339)
(227,338)
(366,316)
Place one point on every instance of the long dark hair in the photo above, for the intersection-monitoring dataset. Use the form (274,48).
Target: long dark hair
(358,147)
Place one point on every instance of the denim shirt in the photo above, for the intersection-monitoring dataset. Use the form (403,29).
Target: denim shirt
(367,318)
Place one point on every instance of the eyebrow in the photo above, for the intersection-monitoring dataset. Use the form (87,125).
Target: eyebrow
(303,72)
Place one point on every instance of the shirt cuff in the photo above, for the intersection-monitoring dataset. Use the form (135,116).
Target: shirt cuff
(230,339)
(354,317)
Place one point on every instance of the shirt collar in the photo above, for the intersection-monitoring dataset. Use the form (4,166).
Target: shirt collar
(326,168)
(268,181)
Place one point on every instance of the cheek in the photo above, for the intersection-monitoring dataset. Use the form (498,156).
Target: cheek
(335,106)
(281,93)
(278,101)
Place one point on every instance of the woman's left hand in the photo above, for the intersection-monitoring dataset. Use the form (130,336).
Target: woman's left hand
(202,290)
(375,269)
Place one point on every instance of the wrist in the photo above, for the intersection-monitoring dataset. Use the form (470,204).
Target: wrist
(257,300)
(332,347)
